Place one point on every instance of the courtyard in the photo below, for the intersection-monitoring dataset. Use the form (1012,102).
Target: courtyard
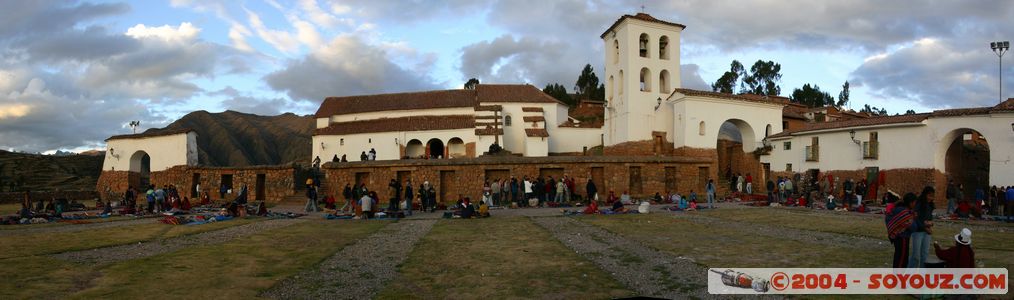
(518,253)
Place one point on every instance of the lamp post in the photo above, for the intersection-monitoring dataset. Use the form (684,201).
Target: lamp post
(1000,48)
(852,134)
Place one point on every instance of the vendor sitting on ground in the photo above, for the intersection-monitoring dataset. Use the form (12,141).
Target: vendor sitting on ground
(593,208)
(467,210)
(612,198)
(618,207)
(185,204)
(959,256)
(658,198)
(625,198)
(484,210)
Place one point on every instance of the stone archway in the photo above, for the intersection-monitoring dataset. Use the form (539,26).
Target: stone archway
(435,148)
(963,154)
(415,149)
(456,148)
(734,145)
(140,163)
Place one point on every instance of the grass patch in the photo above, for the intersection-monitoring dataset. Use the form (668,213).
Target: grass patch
(238,269)
(48,243)
(993,248)
(497,258)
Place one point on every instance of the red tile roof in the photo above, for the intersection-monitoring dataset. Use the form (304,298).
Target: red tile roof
(433,99)
(534,119)
(899,119)
(415,123)
(531,109)
(1005,106)
(741,97)
(489,131)
(537,132)
(150,133)
(512,93)
(643,17)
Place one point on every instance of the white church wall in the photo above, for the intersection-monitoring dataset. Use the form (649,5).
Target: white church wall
(996,128)
(536,147)
(323,122)
(387,144)
(403,113)
(690,111)
(569,139)
(165,151)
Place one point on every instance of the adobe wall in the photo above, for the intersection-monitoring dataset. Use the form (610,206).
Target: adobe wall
(279,181)
(900,181)
(466,176)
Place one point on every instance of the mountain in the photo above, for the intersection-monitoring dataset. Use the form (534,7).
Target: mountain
(48,172)
(239,139)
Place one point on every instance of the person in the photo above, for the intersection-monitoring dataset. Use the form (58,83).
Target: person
(25,212)
(848,188)
(408,197)
(150,197)
(1009,203)
(221,191)
(899,224)
(959,256)
(952,195)
(206,198)
(625,198)
(740,182)
(923,230)
(185,204)
(347,195)
(693,196)
(160,199)
(788,187)
(569,182)
(335,158)
(366,203)
(373,154)
(27,202)
(528,192)
(494,189)
(658,197)
(394,190)
(329,202)
(592,208)
(241,199)
(612,198)
(591,191)
(561,191)
(363,156)
(484,210)
(467,210)
(311,200)
(749,184)
(316,162)
(344,158)
(618,207)
(431,197)
(710,189)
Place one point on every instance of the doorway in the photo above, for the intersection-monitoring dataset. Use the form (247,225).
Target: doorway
(634,186)
(259,187)
(194,183)
(447,190)
(670,179)
(596,177)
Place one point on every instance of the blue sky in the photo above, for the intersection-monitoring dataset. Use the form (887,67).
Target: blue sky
(75,72)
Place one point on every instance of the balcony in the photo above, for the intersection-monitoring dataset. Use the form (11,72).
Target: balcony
(871,150)
(813,153)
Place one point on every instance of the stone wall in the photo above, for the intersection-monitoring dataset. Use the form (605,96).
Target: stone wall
(639,148)
(279,181)
(900,181)
(17,197)
(466,176)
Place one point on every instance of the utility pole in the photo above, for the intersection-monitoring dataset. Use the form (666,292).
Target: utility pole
(1000,48)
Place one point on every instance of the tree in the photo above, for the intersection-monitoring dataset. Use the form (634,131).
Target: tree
(811,96)
(763,78)
(843,97)
(873,110)
(559,92)
(587,83)
(727,83)
(470,85)
(909,112)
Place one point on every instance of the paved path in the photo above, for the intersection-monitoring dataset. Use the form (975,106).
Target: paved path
(146,249)
(358,271)
(647,271)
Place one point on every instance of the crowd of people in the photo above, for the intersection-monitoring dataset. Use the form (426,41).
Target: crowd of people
(909,223)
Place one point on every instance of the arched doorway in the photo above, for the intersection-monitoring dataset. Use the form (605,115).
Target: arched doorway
(415,149)
(735,145)
(435,148)
(455,148)
(965,160)
(140,163)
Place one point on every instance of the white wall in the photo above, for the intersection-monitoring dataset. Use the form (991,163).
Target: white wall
(923,145)
(323,122)
(569,139)
(689,111)
(383,142)
(165,151)
(403,113)
(536,147)
(632,116)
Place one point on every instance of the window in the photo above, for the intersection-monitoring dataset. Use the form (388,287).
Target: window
(663,82)
(871,147)
(767,130)
(785,125)
(507,121)
(370,140)
(700,128)
(622,83)
(643,45)
(611,88)
(645,80)
(813,151)
(787,146)
(663,47)
(341,142)
(788,167)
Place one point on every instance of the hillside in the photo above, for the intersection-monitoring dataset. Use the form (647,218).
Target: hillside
(47,172)
(239,139)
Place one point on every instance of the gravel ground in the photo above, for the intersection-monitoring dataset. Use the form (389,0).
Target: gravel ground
(152,248)
(807,236)
(359,270)
(647,271)
(74,227)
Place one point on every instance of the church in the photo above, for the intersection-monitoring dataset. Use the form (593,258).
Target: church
(655,136)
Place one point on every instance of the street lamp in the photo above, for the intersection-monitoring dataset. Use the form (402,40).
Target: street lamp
(1000,48)
(852,134)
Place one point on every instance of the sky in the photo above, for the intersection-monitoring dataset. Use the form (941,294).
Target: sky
(73,73)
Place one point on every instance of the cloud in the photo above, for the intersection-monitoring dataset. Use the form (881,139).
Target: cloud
(935,73)
(691,79)
(182,34)
(507,59)
(39,18)
(244,102)
(345,66)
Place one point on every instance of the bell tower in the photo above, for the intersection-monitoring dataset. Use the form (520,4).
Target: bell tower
(642,69)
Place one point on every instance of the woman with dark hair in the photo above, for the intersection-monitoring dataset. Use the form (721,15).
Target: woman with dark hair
(900,222)
(922,233)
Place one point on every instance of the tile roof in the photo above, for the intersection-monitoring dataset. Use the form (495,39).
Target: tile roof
(531,109)
(414,123)
(534,119)
(512,93)
(150,133)
(643,17)
(899,119)
(489,131)
(489,108)
(1005,106)
(593,124)
(537,132)
(741,97)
